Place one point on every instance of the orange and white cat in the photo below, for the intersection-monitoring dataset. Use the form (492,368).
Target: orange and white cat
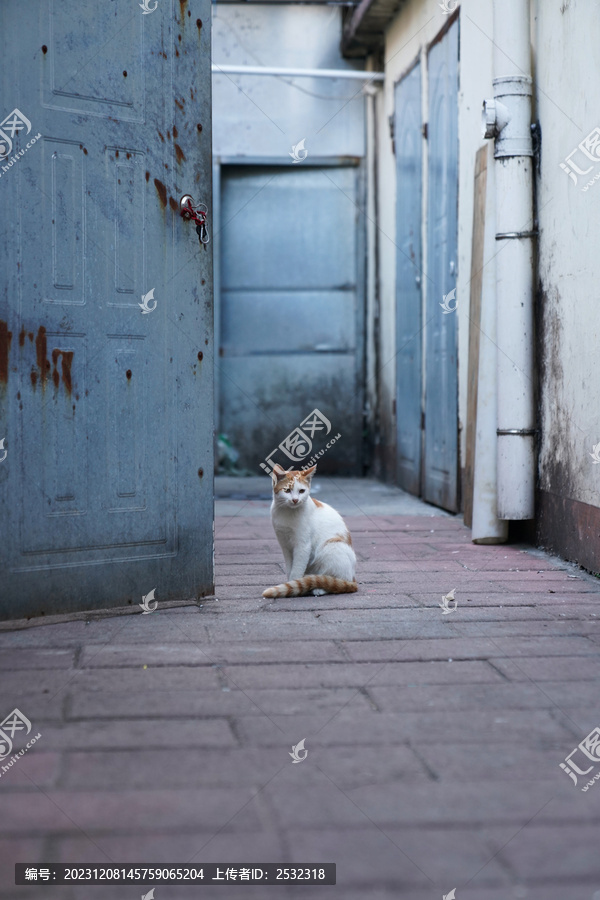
(316,544)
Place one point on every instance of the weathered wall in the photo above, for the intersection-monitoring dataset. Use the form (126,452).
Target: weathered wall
(566,60)
(262,116)
(416,25)
(567,94)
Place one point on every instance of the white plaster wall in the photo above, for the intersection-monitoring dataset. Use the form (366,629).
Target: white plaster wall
(567,95)
(263,116)
(416,25)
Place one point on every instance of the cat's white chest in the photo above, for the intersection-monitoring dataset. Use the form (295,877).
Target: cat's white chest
(292,527)
(286,535)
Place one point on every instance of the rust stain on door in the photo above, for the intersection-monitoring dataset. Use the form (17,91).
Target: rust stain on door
(67,359)
(5,341)
(41,353)
(161,191)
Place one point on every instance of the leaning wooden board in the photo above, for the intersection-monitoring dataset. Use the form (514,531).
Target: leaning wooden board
(474,326)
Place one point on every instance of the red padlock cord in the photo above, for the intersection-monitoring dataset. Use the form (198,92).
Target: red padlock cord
(190,213)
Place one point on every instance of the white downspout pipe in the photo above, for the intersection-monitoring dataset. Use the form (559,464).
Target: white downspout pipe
(486,527)
(507,118)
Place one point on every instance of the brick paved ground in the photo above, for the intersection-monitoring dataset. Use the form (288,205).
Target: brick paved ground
(433,741)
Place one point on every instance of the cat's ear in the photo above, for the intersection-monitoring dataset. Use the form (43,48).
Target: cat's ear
(278,473)
(308,473)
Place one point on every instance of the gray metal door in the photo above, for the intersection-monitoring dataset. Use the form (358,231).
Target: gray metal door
(106,410)
(408,148)
(441,380)
(291,311)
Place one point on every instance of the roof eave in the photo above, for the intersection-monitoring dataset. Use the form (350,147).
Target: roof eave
(364,26)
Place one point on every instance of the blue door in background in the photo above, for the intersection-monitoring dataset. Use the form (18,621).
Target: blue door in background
(291,311)
(409,358)
(440,468)
(106,410)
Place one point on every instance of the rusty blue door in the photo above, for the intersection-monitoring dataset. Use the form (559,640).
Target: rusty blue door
(106,341)
(407,142)
(440,468)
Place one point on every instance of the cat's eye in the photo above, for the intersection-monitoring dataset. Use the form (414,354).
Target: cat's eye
(302,491)
(287,490)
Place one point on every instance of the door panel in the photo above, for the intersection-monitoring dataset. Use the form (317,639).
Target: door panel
(291,326)
(441,402)
(106,490)
(408,146)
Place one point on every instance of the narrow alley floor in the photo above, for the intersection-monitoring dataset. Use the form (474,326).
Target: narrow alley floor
(433,740)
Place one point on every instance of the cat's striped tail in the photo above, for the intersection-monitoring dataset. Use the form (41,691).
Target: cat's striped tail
(302,586)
